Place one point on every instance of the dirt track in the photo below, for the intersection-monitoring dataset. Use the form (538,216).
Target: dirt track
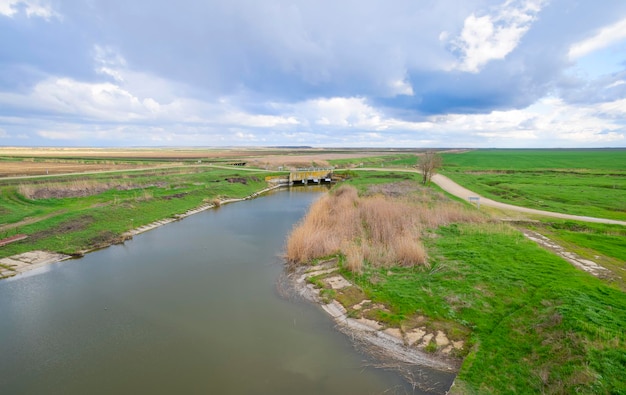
(455,189)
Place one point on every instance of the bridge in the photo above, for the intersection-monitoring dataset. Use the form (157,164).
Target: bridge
(303,177)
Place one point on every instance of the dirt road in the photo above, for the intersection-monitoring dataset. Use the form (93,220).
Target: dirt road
(455,189)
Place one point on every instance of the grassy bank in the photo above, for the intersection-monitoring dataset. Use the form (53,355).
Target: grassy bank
(77,213)
(603,244)
(531,322)
(581,182)
(537,324)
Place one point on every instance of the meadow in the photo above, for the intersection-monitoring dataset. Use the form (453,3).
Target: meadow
(581,182)
(531,322)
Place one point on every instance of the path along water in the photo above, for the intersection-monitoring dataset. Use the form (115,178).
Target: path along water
(188,308)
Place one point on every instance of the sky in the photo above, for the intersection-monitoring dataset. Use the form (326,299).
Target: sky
(341,73)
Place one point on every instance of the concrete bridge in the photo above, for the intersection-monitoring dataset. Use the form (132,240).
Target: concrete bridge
(303,177)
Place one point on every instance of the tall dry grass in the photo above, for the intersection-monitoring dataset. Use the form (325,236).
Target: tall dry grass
(382,231)
(76,188)
(354,256)
(330,222)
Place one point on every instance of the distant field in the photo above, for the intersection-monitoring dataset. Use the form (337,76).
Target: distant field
(41,161)
(582,182)
(125,153)
(16,167)
(582,161)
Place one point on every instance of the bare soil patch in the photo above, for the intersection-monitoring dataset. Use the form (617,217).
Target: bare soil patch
(174,196)
(106,238)
(73,225)
(12,239)
(242,180)
(77,188)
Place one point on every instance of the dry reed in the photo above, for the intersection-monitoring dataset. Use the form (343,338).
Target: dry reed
(76,188)
(381,230)
(354,257)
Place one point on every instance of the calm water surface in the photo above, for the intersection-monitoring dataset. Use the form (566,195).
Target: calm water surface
(188,308)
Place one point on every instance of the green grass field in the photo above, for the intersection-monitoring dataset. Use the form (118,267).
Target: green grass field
(581,182)
(582,160)
(72,224)
(601,243)
(537,324)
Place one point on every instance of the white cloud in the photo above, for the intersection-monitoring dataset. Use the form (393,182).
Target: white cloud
(105,101)
(495,35)
(601,39)
(32,8)
(400,87)
(109,62)
(337,121)
(239,118)
(615,108)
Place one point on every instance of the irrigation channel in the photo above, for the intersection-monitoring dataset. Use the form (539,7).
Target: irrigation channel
(191,308)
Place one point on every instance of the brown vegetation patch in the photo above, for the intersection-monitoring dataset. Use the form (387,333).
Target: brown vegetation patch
(394,189)
(381,230)
(105,238)
(77,188)
(69,226)
(241,180)
(60,192)
(174,196)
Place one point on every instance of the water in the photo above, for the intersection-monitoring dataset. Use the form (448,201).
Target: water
(188,308)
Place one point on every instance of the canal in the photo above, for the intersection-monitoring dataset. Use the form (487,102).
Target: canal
(189,308)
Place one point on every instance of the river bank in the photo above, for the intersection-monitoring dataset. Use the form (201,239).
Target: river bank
(24,262)
(402,349)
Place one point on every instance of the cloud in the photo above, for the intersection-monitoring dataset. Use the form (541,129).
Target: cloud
(32,8)
(601,39)
(283,72)
(494,35)
(606,88)
(352,122)
(104,101)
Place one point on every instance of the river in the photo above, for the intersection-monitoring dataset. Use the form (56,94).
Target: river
(188,308)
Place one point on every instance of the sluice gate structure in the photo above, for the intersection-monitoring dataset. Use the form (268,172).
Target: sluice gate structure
(303,177)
